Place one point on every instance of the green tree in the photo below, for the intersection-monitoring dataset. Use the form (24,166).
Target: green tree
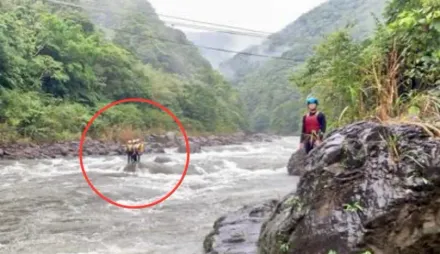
(57,68)
(386,77)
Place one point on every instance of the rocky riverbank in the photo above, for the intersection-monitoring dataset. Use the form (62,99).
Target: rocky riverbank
(369,188)
(154,144)
(238,232)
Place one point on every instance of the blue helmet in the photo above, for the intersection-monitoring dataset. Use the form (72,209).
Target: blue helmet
(312,100)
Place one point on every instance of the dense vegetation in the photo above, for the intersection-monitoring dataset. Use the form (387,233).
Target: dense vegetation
(393,76)
(57,68)
(271,101)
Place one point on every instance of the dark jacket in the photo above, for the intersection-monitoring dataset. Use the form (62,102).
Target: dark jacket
(322,125)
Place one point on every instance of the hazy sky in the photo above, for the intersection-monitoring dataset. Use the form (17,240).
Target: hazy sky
(264,15)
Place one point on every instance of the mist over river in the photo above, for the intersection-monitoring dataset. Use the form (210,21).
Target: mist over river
(47,207)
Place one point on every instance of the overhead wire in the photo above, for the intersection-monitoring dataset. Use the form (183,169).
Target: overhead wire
(215,24)
(166,16)
(177,24)
(172,23)
(205,47)
(171,41)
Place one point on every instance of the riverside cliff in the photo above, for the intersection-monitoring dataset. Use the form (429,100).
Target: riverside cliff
(369,188)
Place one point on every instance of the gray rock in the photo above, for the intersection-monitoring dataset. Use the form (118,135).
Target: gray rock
(171,136)
(158,150)
(296,164)
(194,148)
(162,159)
(64,151)
(367,187)
(155,145)
(238,232)
(158,168)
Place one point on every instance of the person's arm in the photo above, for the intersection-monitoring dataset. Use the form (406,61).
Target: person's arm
(303,129)
(322,124)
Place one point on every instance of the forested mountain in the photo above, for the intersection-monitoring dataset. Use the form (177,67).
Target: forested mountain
(59,64)
(223,41)
(136,26)
(272,102)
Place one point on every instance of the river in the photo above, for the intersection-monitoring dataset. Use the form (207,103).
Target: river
(47,207)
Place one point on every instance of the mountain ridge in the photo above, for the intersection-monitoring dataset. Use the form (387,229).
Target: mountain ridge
(271,100)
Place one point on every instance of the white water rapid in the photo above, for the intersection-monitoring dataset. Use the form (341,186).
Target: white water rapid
(47,207)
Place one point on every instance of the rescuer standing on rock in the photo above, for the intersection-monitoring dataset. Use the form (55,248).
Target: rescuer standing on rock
(313,126)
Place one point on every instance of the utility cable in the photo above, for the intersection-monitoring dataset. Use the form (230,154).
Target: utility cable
(163,15)
(214,29)
(171,41)
(205,47)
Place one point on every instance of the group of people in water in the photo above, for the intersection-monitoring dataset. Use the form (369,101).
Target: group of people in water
(134,149)
(313,129)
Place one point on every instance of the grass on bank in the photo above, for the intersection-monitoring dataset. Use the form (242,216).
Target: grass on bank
(421,108)
(383,103)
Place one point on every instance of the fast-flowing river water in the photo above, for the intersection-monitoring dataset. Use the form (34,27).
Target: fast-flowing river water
(46,206)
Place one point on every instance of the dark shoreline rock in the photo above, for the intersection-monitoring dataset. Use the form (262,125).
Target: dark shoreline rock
(238,232)
(369,188)
(296,163)
(194,147)
(162,159)
(154,144)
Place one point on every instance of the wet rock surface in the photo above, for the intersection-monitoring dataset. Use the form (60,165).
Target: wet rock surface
(194,148)
(162,159)
(368,187)
(237,233)
(296,164)
(153,144)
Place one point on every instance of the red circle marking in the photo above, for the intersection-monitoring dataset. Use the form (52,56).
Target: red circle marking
(83,137)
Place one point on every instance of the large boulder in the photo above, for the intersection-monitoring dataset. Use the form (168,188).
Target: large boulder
(238,232)
(261,137)
(159,168)
(296,164)
(369,188)
(194,148)
(154,148)
(171,136)
(162,159)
